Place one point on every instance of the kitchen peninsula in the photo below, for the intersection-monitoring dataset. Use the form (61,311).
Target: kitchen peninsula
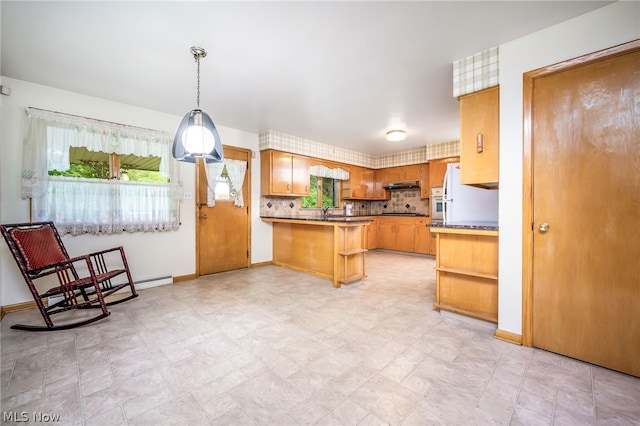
(331,248)
(467,269)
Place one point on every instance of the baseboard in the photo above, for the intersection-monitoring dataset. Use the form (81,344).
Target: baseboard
(508,337)
(476,321)
(140,285)
(182,278)
(259,264)
(18,307)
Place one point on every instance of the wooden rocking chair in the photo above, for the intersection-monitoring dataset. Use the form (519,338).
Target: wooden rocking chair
(39,251)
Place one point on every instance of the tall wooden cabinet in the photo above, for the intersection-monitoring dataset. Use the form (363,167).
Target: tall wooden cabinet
(480,138)
(284,174)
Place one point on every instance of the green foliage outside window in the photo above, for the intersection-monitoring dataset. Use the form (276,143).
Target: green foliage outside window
(325,187)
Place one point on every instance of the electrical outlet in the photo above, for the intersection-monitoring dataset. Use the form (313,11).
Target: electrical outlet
(188,196)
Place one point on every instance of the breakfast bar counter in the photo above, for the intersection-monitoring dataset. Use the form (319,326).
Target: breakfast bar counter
(331,248)
(467,269)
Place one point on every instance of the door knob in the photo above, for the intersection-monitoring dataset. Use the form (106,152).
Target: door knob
(543,227)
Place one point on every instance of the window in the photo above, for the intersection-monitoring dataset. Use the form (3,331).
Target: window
(323,192)
(90,176)
(225,181)
(101,165)
(324,184)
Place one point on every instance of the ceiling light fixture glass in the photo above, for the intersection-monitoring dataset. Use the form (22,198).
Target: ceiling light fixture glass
(396,135)
(197,136)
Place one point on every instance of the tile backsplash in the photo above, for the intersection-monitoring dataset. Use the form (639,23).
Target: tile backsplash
(402,201)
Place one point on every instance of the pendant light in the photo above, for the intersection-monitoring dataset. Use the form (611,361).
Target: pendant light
(197,136)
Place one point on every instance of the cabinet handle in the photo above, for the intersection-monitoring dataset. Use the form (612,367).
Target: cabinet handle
(288,187)
(480,143)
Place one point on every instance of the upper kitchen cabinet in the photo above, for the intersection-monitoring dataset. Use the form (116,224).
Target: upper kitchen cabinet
(356,188)
(283,174)
(437,170)
(402,173)
(425,181)
(479,138)
(379,193)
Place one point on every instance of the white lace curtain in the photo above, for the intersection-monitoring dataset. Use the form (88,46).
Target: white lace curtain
(324,171)
(79,205)
(236,169)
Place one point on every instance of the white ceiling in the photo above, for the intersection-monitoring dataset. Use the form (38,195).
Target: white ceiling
(340,73)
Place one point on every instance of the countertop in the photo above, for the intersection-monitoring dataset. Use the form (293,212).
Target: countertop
(339,219)
(483,226)
(344,218)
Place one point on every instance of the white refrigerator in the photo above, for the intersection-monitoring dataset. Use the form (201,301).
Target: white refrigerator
(464,204)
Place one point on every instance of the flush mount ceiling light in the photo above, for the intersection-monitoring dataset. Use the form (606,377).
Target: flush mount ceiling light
(396,135)
(197,136)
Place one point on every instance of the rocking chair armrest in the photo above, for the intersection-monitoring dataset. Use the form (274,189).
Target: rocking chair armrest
(109,250)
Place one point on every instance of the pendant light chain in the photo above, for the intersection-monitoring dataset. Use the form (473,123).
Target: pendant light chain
(198,73)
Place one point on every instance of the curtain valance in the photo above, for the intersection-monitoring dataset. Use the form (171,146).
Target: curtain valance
(324,171)
(79,205)
(50,134)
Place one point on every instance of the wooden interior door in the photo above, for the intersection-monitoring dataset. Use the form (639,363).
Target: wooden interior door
(585,148)
(223,230)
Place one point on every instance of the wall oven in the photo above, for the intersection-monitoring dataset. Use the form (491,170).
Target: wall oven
(437,205)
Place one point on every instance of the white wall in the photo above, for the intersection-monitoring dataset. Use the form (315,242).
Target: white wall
(150,254)
(609,26)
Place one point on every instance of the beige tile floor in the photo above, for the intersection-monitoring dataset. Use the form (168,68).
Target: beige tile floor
(270,346)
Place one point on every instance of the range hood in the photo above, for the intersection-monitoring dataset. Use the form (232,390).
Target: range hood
(401,184)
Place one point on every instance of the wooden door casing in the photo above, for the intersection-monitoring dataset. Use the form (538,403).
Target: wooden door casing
(223,232)
(581,285)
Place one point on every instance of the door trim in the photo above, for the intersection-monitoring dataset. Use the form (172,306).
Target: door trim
(527,169)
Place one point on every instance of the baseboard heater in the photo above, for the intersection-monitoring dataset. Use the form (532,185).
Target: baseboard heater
(153,282)
(140,285)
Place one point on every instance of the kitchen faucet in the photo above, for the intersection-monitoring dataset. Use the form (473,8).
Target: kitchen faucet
(325,212)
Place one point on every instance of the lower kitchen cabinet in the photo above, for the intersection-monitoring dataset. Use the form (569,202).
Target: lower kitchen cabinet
(467,272)
(397,233)
(422,235)
(371,233)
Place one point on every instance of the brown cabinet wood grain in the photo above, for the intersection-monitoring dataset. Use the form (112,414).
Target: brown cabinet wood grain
(397,233)
(480,138)
(356,187)
(402,173)
(283,174)
(379,193)
(467,272)
(372,234)
(422,236)
(425,181)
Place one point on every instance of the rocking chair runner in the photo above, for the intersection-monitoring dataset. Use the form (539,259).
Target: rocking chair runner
(39,251)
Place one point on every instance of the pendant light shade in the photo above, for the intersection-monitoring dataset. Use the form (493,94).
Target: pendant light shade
(197,136)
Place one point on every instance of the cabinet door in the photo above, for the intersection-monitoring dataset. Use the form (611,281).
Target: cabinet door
(300,175)
(372,235)
(393,174)
(438,168)
(379,192)
(479,137)
(386,235)
(404,238)
(422,236)
(411,172)
(432,243)
(280,172)
(425,182)
(368,182)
